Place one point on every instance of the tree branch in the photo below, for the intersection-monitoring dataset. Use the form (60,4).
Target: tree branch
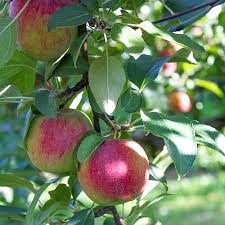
(112,209)
(177,15)
(70,92)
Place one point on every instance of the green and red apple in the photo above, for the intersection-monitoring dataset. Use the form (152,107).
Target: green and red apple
(51,142)
(117,172)
(32,28)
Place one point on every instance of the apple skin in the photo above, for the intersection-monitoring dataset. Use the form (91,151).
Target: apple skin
(168,68)
(117,172)
(179,101)
(32,33)
(50,142)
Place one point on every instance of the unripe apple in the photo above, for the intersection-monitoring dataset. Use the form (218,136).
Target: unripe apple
(179,101)
(51,142)
(33,35)
(170,67)
(117,172)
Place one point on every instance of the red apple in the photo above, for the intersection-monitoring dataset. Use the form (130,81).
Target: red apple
(179,102)
(117,172)
(51,142)
(33,35)
(168,68)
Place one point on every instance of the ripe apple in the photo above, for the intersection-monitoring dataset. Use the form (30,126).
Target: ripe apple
(117,172)
(33,35)
(168,68)
(51,142)
(179,101)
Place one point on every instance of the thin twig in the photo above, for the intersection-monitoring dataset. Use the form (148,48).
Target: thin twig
(116,216)
(96,122)
(193,9)
(70,92)
(107,209)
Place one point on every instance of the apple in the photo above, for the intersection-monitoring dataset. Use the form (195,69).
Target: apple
(50,142)
(117,172)
(179,101)
(168,68)
(32,32)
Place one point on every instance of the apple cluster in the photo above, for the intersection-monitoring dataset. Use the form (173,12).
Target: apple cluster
(117,171)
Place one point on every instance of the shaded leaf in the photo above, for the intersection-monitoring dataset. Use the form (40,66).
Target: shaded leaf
(178,134)
(88,144)
(210,137)
(83,217)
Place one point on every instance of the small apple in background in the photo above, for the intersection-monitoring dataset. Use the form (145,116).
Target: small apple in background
(51,142)
(179,101)
(117,172)
(197,31)
(33,35)
(168,68)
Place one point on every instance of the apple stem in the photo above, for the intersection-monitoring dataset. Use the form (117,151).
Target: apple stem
(113,210)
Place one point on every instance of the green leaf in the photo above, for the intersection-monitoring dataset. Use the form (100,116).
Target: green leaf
(158,175)
(83,217)
(109,221)
(66,68)
(75,186)
(210,137)
(132,41)
(92,101)
(131,100)
(179,39)
(29,117)
(62,193)
(13,181)
(178,134)
(46,103)
(31,208)
(187,23)
(24,81)
(76,47)
(182,55)
(91,4)
(18,64)
(145,68)
(209,85)
(23,107)
(10,94)
(44,216)
(69,16)
(120,3)
(88,145)
(137,213)
(106,3)
(178,6)
(7,40)
(12,213)
(106,79)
